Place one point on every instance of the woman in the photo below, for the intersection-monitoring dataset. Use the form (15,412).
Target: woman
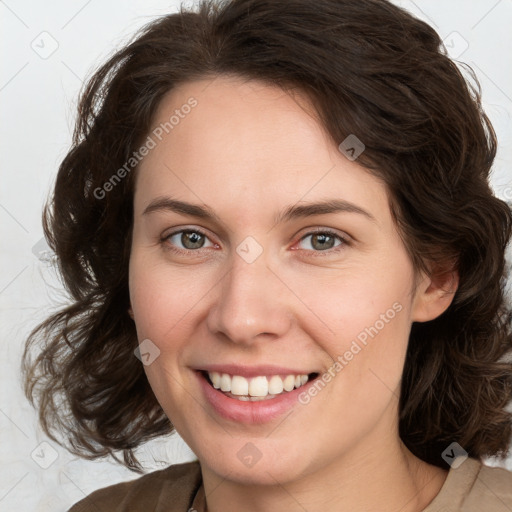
(278,233)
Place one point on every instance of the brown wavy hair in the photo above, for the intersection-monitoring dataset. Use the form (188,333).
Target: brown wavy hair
(370,69)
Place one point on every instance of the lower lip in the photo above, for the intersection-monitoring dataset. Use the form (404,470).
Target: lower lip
(249,412)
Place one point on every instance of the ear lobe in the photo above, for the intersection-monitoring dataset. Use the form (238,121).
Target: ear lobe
(434,295)
(130,312)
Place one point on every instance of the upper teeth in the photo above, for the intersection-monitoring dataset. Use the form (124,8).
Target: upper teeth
(257,386)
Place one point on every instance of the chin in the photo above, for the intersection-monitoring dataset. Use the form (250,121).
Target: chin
(238,466)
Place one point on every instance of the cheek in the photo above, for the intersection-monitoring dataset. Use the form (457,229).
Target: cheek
(348,305)
(361,318)
(162,304)
(163,298)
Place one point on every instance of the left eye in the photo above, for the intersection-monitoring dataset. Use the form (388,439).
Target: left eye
(323,240)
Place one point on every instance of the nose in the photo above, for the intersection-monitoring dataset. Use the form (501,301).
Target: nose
(251,303)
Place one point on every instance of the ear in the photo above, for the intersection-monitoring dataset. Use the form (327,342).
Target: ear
(434,294)
(130,312)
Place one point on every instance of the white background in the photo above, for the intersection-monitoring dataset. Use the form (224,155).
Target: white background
(37,101)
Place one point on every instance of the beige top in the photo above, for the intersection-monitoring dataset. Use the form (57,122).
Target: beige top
(472,487)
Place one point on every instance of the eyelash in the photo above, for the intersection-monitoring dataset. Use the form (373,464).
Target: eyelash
(323,231)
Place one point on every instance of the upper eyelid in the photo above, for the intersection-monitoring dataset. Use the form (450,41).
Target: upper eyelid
(186,229)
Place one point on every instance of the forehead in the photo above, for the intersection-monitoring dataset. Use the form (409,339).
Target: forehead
(236,119)
(250,139)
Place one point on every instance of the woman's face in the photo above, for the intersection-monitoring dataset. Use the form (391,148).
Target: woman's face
(262,284)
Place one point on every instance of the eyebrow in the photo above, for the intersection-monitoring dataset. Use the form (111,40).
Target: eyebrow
(289,213)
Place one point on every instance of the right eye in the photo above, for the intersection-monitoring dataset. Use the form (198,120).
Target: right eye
(190,240)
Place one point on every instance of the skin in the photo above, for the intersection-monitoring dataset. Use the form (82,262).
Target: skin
(248,150)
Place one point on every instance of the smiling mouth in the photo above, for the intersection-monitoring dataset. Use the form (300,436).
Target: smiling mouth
(256,388)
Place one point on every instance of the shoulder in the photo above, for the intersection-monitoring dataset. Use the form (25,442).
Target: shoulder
(491,490)
(472,486)
(176,484)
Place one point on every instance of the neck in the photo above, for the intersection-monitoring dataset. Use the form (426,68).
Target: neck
(386,477)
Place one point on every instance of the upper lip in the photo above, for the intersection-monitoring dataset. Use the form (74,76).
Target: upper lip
(252,371)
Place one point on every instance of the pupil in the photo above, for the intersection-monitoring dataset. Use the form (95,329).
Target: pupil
(191,240)
(322,238)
